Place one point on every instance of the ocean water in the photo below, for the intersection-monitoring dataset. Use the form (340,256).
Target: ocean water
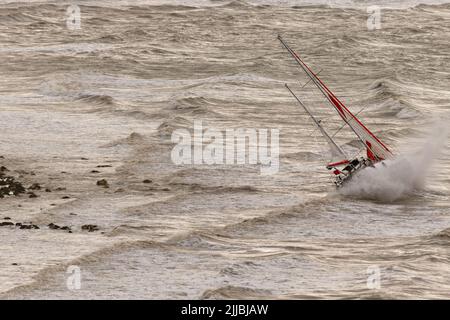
(102,101)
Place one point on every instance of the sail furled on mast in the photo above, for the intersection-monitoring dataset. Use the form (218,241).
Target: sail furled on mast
(376,150)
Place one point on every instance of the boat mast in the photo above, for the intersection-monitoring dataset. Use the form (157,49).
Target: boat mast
(335,149)
(328,95)
(308,71)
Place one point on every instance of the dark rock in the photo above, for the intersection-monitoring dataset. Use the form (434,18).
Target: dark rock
(53,226)
(32,195)
(9,186)
(48,190)
(103,183)
(14,264)
(6,218)
(90,227)
(35,186)
(18,224)
(95,171)
(147,181)
(60,189)
(6,223)
(82,158)
(65,197)
(73,214)
(104,166)
(3,169)
(165,189)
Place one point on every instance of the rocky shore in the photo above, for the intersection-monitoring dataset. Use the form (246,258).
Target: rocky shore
(10,186)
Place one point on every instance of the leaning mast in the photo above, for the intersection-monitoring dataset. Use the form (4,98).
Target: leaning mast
(376,150)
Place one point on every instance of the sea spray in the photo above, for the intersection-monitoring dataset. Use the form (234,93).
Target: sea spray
(391,180)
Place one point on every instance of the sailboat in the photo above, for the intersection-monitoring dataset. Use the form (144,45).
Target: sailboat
(342,166)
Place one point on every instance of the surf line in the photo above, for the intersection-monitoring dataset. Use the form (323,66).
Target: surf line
(240,146)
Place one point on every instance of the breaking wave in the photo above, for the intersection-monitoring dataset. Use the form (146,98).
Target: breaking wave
(133,139)
(444,234)
(96,99)
(166,128)
(194,106)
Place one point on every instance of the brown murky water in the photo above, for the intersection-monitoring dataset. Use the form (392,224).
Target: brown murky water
(101,102)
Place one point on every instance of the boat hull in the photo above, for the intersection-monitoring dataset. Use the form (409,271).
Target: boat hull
(344,179)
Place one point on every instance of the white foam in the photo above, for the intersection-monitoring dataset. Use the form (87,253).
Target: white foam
(398,178)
